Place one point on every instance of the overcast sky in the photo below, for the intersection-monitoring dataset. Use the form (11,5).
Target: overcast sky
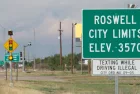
(22,16)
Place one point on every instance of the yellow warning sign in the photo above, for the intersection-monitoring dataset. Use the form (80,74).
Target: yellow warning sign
(10,45)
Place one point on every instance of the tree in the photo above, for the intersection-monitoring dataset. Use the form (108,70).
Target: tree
(76,59)
(51,62)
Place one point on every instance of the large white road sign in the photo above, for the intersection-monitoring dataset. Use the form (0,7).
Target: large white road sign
(115,67)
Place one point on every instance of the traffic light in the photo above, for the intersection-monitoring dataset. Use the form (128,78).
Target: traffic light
(10,57)
(10,32)
(20,54)
(10,45)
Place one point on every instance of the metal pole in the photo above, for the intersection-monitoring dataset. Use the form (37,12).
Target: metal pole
(4,49)
(28,56)
(34,63)
(81,58)
(116,76)
(34,52)
(40,63)
(6,69)
(116,84)
(17,72)
(5,63)
(23,68)
(11,79)
(72,51)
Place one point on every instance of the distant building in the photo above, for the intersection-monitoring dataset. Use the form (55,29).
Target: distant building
(84,61)
(20,65)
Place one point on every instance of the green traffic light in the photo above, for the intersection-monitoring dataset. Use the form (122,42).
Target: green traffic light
(10,48)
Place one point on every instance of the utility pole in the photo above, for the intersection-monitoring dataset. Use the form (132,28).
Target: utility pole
(60,33)
(73,24)
(72,51)
(34,52)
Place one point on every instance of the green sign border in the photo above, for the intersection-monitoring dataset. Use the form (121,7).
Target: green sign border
(13,57)
(82,33)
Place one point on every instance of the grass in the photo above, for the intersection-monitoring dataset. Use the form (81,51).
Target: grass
(75,84)
(17,89)
(81,84)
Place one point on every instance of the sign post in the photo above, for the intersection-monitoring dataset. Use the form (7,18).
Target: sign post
(116,84)
(10,45)
(11,78)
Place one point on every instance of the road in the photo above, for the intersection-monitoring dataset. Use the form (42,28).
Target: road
(36,78)
(41,78)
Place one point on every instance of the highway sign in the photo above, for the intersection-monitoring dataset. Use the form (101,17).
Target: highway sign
(10,45)
(115,67)
(1,63)
(16,57)
(111,33)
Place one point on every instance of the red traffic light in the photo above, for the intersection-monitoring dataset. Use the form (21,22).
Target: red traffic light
(10,41)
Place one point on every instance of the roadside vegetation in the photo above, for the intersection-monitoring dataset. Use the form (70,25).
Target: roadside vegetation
(76,83)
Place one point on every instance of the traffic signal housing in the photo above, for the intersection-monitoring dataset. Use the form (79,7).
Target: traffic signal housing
(10,45)
(20,55)
(10,57)
(10,32)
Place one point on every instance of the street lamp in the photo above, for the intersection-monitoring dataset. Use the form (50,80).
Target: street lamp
(29,44)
